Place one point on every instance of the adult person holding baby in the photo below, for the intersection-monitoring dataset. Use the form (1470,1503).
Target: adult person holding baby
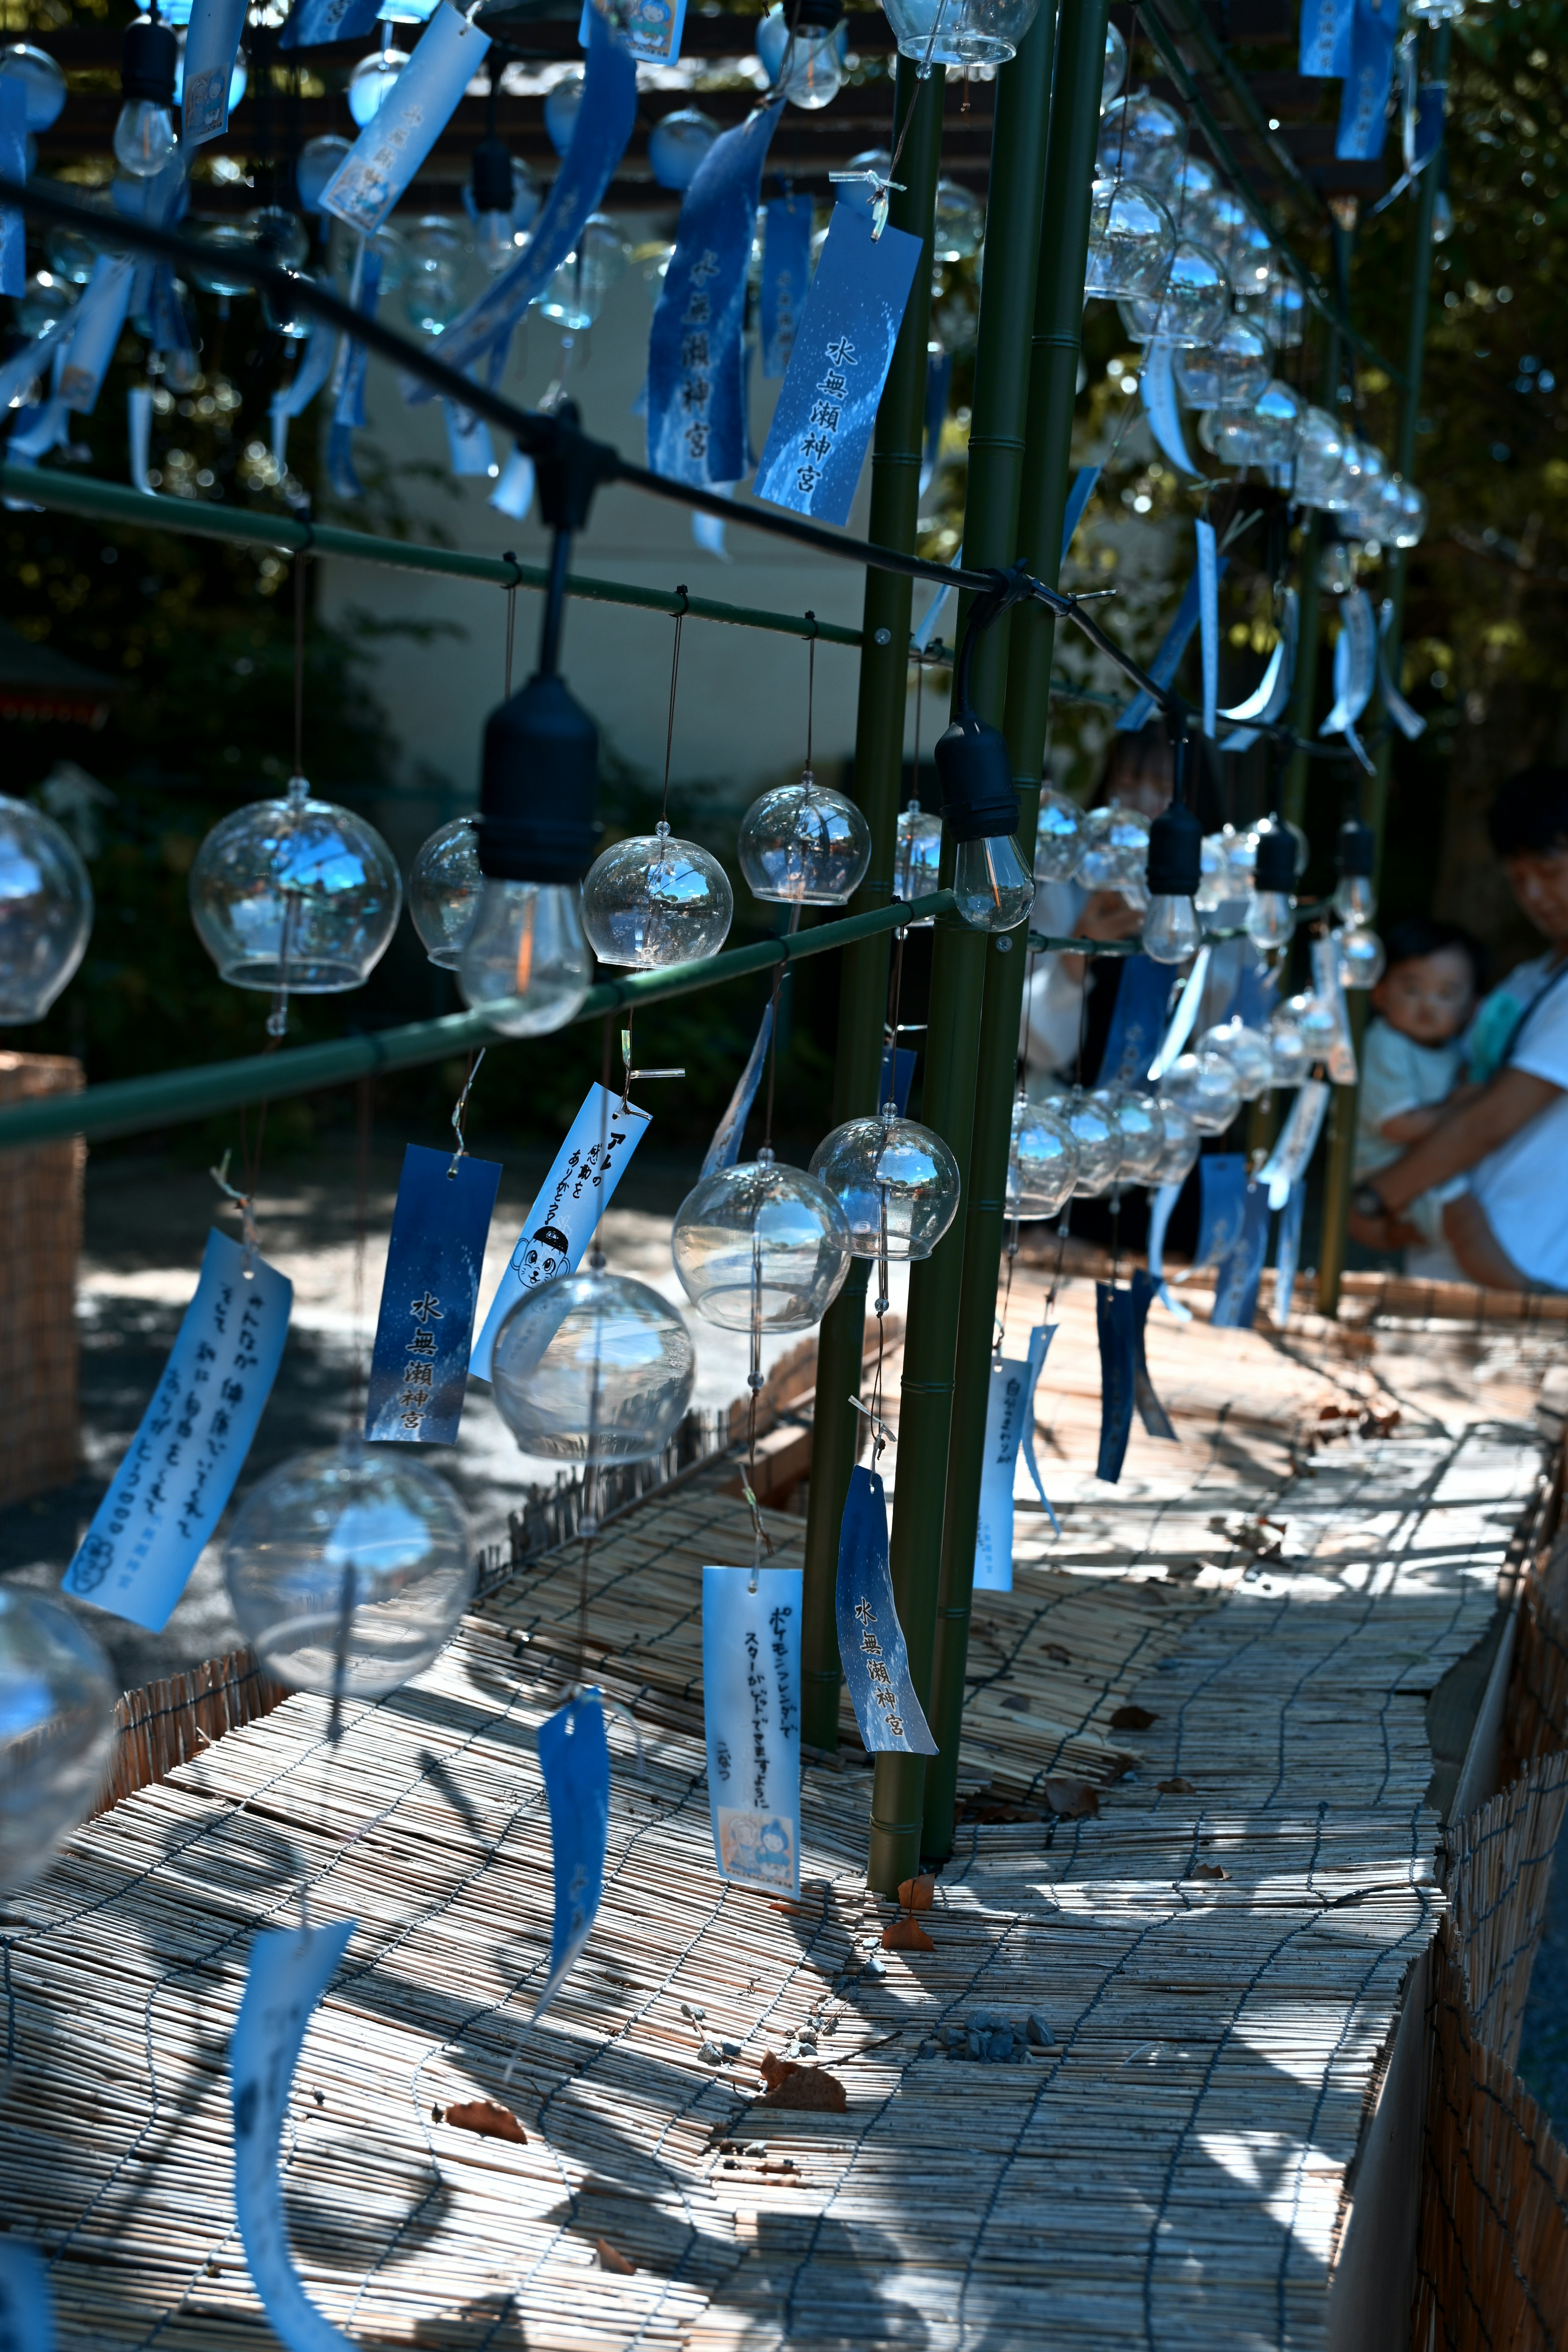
(1506,1130)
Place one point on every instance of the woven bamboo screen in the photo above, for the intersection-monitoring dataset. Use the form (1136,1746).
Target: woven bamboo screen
(41,1239)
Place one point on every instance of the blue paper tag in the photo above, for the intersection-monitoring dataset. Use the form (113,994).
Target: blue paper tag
(649,30)
(1208,622)
(870,1639)
(844,347)
(574,1758)
(1363,100)
(1137,1021)
(96,325)
(1162,667)
(212,44)
(1115,1321)
(346,390)
(289,1970)
(572,1199)
(1222,1210)
(419,1370)
(311,23)
(750,1710)
(725,1148)
(468,442)
(27,2316)
(410,119)
(1241,1269)
(1325,43)
(1157,392)
(1040,1339)
(14,165)
(787,275)
(170,1492)
(1084,483)
(1287,1254)
(1146,1288)
(1007,1404)
(310,373)
(696,382)
(599,135)
(897,1077)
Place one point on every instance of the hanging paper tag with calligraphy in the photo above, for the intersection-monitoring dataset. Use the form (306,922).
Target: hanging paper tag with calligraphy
(751,1709)
(469,443)
(26,2318)
(1006,1405)
(1340,1060)
(1137,1018)
(870,1639)
(1151,1412)
(1184,1018)
(347,387)
(170,1492)
(419,1370)
(310,373)
(406,125)
(725,1148)
(1364,100)
(1287,1254)
(212,42)
(786,274)
(1282,1172)
(1040,1339)
(569,1204)
(289,1970)
(1325,44)
(1240,1271)
(823,423)
(1114,1322)
(696,379)
(1409,722)
(311,23)
(574,1758)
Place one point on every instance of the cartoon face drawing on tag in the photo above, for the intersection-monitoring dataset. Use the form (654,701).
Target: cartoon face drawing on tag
(541,1256)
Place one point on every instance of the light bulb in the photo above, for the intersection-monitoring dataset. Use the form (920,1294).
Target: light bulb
(144,138)
(495,240)
(816,71)
(991,884)
(525,963)
(1270,920)
(1171,931)
(1355,900)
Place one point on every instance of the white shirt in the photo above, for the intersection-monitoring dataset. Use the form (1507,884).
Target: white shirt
(1523,1185)
(1397,1075)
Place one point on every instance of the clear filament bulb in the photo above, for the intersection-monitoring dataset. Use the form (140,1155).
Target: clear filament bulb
(1170,929)
(525,963)
(1355,900)
(144,138)
(993,886)
(1272,918)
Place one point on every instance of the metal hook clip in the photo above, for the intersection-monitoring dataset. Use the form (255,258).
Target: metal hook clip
(247,1208)
(878,1424)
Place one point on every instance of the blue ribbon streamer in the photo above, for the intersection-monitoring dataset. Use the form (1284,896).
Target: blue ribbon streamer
(870,1639)
(1172,645)
(1146,1288)
(1288,1253)
(1236,1289)
(1115,1320)
(1136,1021)
(1363,102)
(1084,483)
(574,1758)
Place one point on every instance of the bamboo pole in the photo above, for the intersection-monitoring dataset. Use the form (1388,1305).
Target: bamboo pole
(1053,384)
(959,955)
(879,761)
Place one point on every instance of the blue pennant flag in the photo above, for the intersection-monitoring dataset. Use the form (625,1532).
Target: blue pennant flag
(870,1639)
(604,119)
(384,159)
(1114,1320)
(786,274)
(419,1370)
(696,381)
(14,165)
(1172,645)
(821,427)
(1241,1268)
(1137,1021)
(1151,1412)
(1222,1178)
(574,1758)
(1363,102)
(310,24)
(1326,30)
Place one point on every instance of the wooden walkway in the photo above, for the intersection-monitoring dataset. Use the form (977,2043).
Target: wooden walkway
(1235,1647)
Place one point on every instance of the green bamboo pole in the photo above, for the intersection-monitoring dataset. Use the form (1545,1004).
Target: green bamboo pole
(1338,1176)
(959,955)
(1053,383)
(879,764)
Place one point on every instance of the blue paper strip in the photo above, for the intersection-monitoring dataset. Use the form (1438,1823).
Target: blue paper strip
(751,1713)
(96,324)
(1288,1253)
(1007,1402)
(574,1758)
(1363,102)
(870,1639)
(1114,1321)
(469,443)
(1172,645)
(1157,391)
(14,165)
(897,1077)
(939,383)
(1151,1412)
(346,390)
(1040,1339)
(311,23)
(513,493)
(1236,1287)
(599,135)
(1137,1021)
(650,29)
(411,117)
(310,373)
(212,43)
(821,427)
(1222,1213)
(1325,45)
(725,1148)
(26,2317)
(1162,1201)
(170,1492)
(696,382)
(1084,484)
(787,275)
(419,1370)
(1208,622)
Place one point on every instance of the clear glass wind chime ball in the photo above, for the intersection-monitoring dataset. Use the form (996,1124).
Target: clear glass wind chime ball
(593,1368)
(1097,1140)
(1114,850)
(1131,238)
(297,894)
(960,32)
(1314,1023)
(371,83)
(1141,138)
(444,887)
(653,901)
(804,845)
(760,1242)
(348,1569)
(917,858)
(46,911)
(1115,69)
(1231,372)
(1247,1051)
(1181,1143)
(1288,1050)
(1207,1088)
(1190,306)
(57,1727)
(1362,957)
(1265,433)
(1059,837)
(1142,1130)
(1042,1162)
(897,1184)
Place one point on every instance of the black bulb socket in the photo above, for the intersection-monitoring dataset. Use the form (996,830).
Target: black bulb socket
(974,769)
(1357,850)
(492,182)
(1276,865)
(1175,853)
(814,15)
(537,782)
(148,57)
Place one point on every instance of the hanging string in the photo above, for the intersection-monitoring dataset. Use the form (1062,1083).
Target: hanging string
(245,1202)
(674,681)
(299,562)
(507,557)
(810,690)
(460,1105)
(364,1095)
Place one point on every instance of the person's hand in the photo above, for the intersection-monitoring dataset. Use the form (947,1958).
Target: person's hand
(1106,915)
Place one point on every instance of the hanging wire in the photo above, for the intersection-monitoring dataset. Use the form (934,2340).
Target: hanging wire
(674,681)
(364,1100)
(460,1105)
(300,562)
(810,690)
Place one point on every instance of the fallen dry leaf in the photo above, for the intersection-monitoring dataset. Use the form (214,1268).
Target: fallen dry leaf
(1074,1799)
(804,2087)
(1207,1870)
(491,2122)
(1055,1651)
(906,1935)
(1133,1719)
(915,1893)
(611,2259)
(1176,1788)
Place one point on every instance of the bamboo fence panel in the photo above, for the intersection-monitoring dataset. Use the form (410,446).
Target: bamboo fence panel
(159,1726)
(40,1240)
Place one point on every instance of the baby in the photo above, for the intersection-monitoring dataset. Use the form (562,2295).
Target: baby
(1410,1063)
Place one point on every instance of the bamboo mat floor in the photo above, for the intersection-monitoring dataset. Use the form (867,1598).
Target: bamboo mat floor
(1217,1961)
